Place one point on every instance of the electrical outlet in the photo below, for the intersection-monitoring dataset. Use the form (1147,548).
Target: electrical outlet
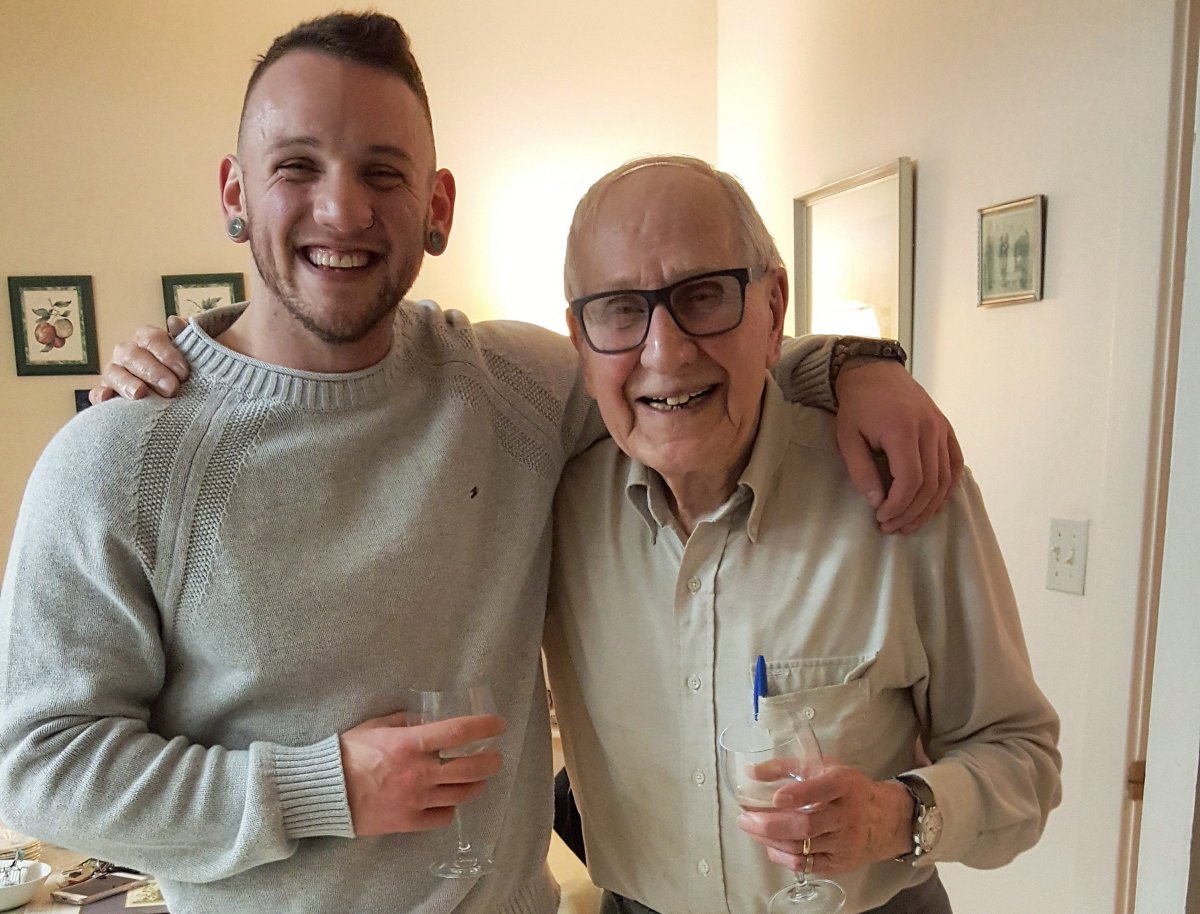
(1066,564)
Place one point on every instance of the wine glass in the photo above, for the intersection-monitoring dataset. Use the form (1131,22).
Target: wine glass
(761,756)
(464,701)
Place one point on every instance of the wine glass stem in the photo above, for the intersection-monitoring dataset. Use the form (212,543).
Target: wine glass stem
(464,847)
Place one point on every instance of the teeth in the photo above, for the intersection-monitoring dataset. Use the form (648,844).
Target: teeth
(673,401)
(322,257)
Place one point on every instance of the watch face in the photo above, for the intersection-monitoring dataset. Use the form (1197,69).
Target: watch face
(929,829)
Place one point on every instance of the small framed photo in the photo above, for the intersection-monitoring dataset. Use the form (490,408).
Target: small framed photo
(194,293)
(54,325)
(1012,247)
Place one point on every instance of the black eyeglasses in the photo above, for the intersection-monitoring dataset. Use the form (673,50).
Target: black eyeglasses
(704,305)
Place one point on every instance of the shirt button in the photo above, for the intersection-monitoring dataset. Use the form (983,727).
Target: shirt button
(703,867)
(694,683)
(694,585)
(809,713)
(698,777)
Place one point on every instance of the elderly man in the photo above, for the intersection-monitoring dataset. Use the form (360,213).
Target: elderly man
(205,648)
(719,524)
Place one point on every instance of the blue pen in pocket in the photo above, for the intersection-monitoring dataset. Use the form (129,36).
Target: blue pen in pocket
(760,682)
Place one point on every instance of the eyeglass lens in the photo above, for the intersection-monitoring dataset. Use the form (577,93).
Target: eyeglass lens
(703,307)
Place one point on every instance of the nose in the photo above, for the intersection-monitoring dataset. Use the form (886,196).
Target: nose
(667,347)
(343,204)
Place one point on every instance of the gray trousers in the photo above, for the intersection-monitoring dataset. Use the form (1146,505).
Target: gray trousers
(927,898)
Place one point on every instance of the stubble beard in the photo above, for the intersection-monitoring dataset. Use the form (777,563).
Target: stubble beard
(345,327)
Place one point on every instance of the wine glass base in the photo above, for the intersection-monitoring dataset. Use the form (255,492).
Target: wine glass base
(813,897)
(463,868)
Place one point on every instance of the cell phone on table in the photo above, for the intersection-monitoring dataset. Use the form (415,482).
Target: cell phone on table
(97,887)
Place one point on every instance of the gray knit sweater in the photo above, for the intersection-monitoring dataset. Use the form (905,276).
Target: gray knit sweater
(204,592)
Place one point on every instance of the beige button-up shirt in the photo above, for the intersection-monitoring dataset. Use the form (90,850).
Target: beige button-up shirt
(651,643)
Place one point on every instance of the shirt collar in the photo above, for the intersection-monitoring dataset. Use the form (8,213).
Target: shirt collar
(646,491)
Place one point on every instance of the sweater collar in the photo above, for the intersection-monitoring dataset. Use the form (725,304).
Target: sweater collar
(262,380)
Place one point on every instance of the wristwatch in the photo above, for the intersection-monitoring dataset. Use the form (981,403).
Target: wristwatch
(927,818)
(848,347)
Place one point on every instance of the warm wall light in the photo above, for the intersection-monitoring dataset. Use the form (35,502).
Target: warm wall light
(854,318)
(526,241)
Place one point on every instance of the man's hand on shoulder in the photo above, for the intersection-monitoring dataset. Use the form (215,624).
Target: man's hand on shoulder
(150,361)
(882,409)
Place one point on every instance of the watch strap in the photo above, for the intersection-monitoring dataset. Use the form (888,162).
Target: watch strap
(927,818)
(849,347)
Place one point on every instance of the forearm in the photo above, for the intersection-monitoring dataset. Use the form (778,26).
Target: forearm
(990,730)
(803,371)
(994,799)
(173,808)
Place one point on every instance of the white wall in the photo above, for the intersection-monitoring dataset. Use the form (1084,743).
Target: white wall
(997,101)
(116,113)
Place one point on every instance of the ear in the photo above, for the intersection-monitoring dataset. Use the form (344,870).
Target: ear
(233,191)
(777,301)
(574,332)
(441,208)
(581,347)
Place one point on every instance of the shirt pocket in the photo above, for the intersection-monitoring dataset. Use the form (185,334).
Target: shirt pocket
(832,694)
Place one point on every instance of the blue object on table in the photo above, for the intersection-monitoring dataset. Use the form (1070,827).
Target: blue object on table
(760,682)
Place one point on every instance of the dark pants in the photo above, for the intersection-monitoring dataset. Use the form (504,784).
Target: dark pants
(927,898)
(566,816)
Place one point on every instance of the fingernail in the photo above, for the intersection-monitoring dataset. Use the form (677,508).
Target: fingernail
(163,387)
(875,498)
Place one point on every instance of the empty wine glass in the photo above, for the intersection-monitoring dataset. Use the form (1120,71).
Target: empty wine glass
(758,758)
(466,701)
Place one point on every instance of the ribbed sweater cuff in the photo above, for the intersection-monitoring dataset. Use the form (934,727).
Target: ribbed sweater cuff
(810,382)
(312,790)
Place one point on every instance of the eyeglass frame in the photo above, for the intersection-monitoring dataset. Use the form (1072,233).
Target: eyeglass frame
(662,296)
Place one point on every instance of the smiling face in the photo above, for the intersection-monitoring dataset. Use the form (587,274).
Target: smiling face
(335,177)
(685,406)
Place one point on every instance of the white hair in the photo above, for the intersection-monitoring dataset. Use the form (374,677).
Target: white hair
(760,247)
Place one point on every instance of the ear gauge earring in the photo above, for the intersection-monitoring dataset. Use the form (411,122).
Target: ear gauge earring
(236,228)
(435,242)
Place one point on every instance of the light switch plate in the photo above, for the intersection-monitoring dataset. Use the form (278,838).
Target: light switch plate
(1066,564)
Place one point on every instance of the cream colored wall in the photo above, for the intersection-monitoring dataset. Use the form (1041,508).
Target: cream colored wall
(117,112)
(1051,400)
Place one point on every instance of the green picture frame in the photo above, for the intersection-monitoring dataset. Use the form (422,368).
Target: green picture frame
(54,325)
(188,294)
(1012,251)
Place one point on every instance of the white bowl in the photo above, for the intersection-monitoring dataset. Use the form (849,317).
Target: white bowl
(13,896)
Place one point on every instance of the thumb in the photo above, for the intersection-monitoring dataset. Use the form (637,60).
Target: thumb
(861,465)
(175,325)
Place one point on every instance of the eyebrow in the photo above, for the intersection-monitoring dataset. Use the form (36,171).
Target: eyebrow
(312,142)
